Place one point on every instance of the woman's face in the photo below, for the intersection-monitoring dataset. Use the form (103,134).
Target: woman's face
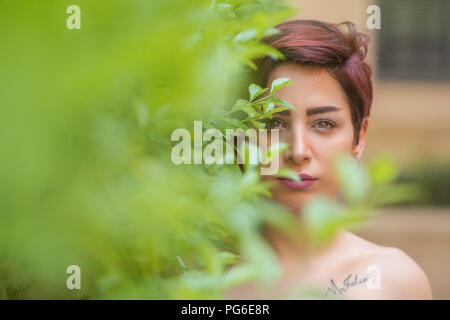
(319,129)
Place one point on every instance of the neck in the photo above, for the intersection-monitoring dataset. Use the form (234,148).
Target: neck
(297,250)
(290,250)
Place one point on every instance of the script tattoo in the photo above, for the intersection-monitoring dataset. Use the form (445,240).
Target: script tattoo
(348,283)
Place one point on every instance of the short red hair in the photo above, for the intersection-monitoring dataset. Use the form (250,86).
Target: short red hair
(339,48)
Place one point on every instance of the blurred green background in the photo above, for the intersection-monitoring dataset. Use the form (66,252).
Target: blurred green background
(86,117)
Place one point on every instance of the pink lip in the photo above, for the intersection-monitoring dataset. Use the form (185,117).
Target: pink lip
(307,181)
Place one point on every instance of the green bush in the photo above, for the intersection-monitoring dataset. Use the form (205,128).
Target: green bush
(433,178)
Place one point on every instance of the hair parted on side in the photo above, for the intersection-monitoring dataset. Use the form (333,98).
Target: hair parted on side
(339,48)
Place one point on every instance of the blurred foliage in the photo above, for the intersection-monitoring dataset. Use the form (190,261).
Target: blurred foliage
(433,177)
(86,175)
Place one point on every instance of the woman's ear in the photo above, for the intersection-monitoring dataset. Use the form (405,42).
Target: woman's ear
(359,148)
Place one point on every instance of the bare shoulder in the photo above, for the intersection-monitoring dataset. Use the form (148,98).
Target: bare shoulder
(403,278)
(391,273)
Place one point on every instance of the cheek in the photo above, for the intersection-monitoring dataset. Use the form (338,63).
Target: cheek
(326,149)
(331,145)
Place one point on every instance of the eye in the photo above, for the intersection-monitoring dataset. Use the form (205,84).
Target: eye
(324,124)
(275,123)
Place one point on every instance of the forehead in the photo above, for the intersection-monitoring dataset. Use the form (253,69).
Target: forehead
(312,86)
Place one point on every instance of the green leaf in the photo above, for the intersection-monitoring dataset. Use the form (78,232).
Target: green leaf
(239,104)
(224,6)
(289,174)
(258,124)
(246,106)
(278,83)
(279,102)
(274,151)
(354,180)
(183,266)
(226,9)
(248,109)
(228,257)
(279,109)
(222,244)
(228,123)
(271,31)
(250,63)
(269,107)
(383,170)
(239,274)
(321,218)
(255,91)
(260,254)
(245,35)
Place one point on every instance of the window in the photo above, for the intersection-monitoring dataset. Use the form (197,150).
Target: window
(414,39)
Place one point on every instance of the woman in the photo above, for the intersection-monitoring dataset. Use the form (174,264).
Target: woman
(332,96)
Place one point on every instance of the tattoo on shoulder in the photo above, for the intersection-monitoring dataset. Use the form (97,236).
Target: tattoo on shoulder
(353,280)
(348,283)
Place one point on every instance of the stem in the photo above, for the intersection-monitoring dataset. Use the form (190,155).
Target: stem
(261,99)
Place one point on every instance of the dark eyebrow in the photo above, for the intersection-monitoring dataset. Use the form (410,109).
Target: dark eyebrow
(312,111)
(323,109)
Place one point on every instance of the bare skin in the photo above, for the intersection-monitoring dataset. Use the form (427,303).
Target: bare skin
(316,135)
(347,257)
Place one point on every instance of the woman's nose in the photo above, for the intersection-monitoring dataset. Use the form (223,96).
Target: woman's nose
(299,150)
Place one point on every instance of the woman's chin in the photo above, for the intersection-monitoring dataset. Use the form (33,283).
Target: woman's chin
(292,201)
